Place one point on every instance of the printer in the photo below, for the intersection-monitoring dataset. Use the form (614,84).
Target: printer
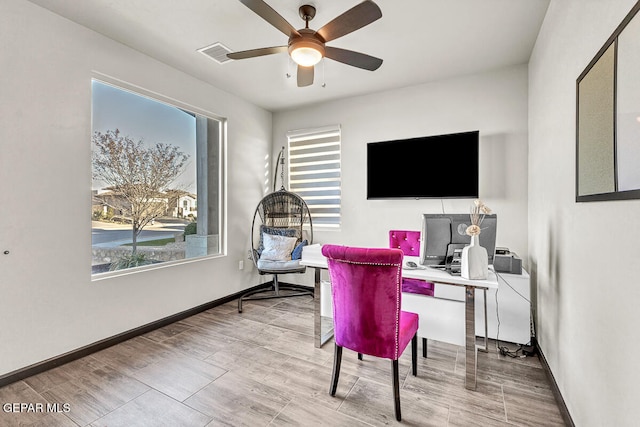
(506,261)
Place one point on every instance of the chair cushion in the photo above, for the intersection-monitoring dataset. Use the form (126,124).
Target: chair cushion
(269,265)
(417,286)
(274,231)
(277,248)
(297,251)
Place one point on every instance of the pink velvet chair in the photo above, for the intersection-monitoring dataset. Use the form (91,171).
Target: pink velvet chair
(409,243)
(365,286)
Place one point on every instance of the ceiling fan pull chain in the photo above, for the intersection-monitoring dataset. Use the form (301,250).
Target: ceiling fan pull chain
(324,83)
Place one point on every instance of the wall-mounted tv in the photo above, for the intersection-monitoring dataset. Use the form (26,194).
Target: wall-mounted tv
(441,166)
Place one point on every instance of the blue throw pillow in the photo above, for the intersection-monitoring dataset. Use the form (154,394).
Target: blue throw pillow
(297,251)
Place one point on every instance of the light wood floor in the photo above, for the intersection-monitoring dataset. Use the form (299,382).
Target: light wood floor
(260,368)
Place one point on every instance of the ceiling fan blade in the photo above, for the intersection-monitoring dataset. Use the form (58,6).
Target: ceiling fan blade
(267,13)
(305,76)
(244,54)
(356,17)
(355,59)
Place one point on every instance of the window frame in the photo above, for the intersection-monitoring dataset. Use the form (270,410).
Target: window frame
(221,172)
(302,138)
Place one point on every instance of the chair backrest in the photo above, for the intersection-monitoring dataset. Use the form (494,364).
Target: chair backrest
(405,240)
(365,287)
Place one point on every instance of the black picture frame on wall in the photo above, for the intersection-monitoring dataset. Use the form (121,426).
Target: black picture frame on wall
(608,118)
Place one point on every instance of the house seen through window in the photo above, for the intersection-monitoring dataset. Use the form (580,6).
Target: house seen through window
(153,164)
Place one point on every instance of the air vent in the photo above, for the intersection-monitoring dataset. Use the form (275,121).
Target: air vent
(217,52)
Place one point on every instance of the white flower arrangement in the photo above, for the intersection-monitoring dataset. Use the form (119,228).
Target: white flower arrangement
(478,211)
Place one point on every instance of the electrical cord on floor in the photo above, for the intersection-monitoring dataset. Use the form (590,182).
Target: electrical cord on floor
(506,351)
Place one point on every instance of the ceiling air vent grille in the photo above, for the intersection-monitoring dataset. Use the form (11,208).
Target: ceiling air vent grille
(217,52)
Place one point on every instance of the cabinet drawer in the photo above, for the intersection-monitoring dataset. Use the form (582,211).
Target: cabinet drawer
(452,292)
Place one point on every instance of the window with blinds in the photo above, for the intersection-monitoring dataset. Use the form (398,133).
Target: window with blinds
(314,172)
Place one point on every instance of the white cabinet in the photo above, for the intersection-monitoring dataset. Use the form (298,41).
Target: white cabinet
(442,316)
(513,309)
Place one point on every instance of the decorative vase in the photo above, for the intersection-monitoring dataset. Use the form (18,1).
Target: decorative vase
(474,264)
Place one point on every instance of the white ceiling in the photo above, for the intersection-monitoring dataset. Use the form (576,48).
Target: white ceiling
(419,41)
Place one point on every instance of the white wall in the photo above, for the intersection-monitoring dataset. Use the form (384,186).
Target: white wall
(494,103)
(585,268)
(48,303)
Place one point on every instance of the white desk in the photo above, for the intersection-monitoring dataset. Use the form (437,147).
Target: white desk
(323,327)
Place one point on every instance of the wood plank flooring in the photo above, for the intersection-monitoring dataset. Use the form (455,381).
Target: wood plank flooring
(260,368)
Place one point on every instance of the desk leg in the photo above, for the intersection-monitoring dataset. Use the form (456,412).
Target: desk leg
(317,313)
(322,326)
(486,326)
(471,355)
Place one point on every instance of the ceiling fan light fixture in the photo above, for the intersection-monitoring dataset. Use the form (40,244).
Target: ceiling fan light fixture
(306,56)
(306,51)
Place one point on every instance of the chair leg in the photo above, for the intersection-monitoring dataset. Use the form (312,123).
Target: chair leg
(276,285)
(337,359)
(414,354)
(359,356)
(396,389)
(424,348)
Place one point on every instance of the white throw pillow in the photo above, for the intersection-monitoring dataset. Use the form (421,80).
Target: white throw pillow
(277,248)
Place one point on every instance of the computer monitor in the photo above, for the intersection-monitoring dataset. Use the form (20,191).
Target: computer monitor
(444,234)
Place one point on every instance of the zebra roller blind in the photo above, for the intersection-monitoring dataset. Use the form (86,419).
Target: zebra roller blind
(314,172)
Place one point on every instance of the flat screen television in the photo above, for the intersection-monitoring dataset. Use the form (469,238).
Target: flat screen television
(441,166)
(443,234)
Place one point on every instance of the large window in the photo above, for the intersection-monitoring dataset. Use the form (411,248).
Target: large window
(157,180)
(314,172)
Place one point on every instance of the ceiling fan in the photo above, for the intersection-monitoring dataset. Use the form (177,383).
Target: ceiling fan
(307,47)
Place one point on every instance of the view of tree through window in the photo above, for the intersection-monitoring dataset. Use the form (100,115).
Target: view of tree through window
(146,184)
